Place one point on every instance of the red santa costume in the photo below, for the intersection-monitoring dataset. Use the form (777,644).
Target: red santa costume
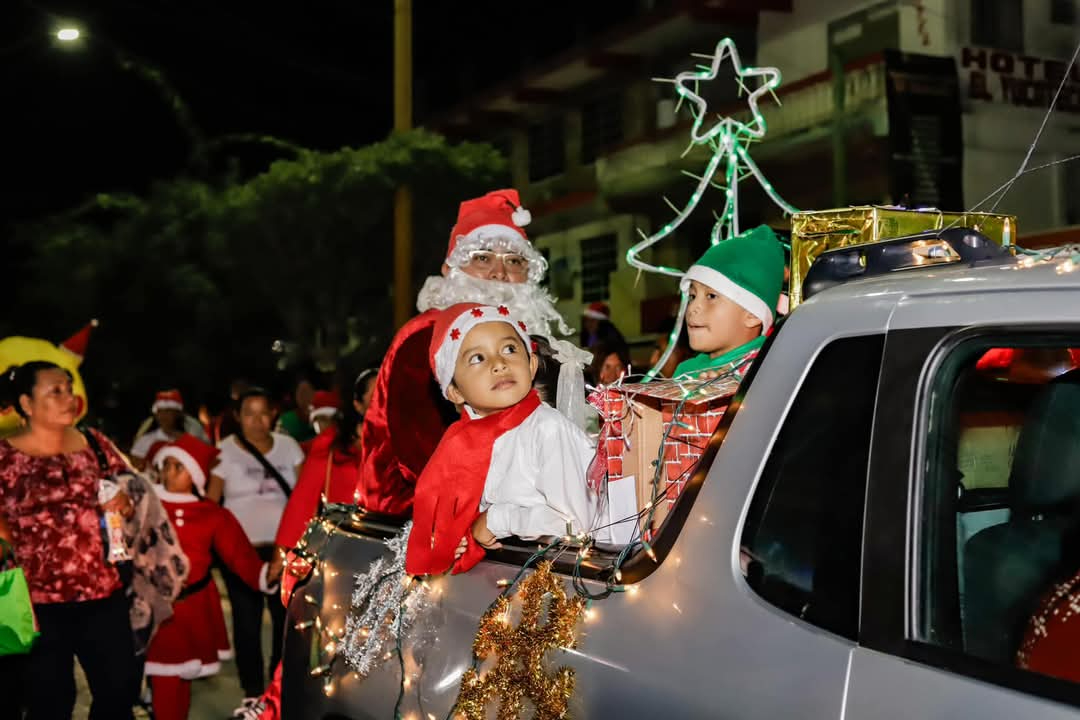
(192,643)
(524,465)
(406,417)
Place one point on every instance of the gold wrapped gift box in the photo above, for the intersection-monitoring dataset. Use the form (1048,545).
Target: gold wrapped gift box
(814,232)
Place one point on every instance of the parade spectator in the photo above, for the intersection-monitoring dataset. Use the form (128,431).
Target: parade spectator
(331,469)
(611,360)
(193,641)
(256,475)
(681,352)
(296,422)
(167,424)
(226,422)
(596,326)
(50,514)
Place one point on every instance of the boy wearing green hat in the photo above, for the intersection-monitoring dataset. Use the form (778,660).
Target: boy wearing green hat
(733,292)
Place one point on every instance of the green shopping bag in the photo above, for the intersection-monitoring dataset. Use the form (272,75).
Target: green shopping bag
(18,626)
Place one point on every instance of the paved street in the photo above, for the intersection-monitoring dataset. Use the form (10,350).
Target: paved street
(212,698)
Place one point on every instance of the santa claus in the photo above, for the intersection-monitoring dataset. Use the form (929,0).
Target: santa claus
(491,261)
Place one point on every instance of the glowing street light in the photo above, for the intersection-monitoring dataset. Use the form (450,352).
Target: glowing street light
(68,34)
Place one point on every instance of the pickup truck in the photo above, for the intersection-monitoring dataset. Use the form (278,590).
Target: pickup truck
(866,535)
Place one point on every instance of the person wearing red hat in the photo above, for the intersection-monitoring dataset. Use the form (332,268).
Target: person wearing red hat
(324,408)
(194,641)
(596,327)
(489,259)
(168,424)
(511,465)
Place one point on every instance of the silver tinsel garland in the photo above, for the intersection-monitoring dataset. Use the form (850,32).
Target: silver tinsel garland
(385,602)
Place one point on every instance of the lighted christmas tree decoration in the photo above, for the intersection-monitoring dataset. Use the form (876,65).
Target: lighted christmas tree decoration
(728,138)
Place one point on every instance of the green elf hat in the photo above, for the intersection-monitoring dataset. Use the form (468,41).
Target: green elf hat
(747,268)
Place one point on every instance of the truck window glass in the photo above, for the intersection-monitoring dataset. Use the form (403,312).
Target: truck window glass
(999,530)
(803,535)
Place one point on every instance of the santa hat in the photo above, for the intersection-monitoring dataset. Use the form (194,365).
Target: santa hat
(152,452)
(451,327)
(747,268)
(597,311)
(167,400)
(196,456)
(493,222)
(77,343)
(323,404)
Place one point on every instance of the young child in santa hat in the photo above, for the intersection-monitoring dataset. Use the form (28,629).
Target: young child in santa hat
(511,465)
(193,641)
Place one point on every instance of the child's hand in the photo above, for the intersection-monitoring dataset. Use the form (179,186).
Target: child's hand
(485,537)
(462,546)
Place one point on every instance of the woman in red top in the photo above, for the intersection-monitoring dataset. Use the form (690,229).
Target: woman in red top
(49,512)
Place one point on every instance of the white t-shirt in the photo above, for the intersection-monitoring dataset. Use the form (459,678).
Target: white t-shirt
(251,493)
(142,446)
(536,480)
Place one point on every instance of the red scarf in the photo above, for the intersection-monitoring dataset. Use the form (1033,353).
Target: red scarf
(449,490)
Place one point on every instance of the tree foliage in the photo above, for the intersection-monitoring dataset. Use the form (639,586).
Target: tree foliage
(194,283)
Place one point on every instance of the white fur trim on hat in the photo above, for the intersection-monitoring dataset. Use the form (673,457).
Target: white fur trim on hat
(198,477)
(325,411)
(594,314)
(446,355)
(725,286)
(165,405)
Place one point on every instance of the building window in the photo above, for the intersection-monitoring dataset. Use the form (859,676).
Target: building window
(1063,12)
(598,261)
(802,542)
(601,124)
(998,24)
(999,564)
(547,149)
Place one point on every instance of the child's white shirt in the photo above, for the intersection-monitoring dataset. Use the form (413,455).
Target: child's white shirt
(536,480)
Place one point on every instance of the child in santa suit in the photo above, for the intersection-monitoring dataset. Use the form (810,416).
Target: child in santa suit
(511,465)
(193,641)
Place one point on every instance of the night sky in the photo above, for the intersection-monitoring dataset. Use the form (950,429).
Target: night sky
(319,75)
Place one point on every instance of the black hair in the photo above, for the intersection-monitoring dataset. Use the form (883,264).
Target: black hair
(546,381)
(600,351)
(349,419)
(19,380)
(253,392)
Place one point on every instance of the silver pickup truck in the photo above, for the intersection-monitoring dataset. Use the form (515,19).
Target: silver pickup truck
(872,525)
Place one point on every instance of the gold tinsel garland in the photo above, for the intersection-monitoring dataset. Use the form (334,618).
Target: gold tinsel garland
(519,673)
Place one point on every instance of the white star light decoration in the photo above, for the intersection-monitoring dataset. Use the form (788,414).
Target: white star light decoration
(728,138)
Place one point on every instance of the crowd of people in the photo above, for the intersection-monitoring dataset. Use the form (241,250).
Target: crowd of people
(462,407)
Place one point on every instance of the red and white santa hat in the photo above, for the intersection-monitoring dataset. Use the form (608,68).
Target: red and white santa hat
(451,327)
(597,311)
(494,222)
(196,456)
(167,400)
(323,404)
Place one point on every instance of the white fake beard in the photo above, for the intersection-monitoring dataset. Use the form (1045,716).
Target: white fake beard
(527,302)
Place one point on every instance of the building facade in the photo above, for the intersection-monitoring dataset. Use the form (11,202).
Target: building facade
(924,103)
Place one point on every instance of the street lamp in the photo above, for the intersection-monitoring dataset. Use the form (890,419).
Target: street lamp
(67,34)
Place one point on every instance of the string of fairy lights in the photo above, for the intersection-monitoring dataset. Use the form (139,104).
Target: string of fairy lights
(385,601)
(727,139)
